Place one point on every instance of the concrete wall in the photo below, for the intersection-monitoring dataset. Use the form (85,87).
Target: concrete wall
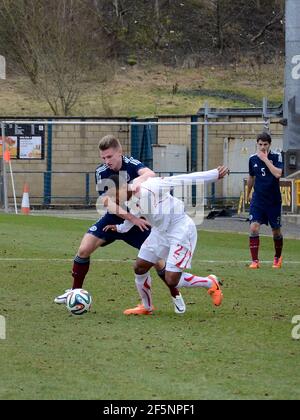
(216,135)
(75,149)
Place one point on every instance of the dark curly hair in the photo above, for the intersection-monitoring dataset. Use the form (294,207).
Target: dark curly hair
(264,137)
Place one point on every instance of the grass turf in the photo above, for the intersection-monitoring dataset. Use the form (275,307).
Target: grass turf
(242,350)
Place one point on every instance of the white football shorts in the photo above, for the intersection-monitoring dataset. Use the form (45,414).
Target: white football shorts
(176,245)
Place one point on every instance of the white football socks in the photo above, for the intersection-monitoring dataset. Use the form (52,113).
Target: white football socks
(143,285)
(189,280)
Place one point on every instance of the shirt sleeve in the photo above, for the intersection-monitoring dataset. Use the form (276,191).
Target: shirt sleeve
(140,166)
(100,187)
(103,183)
(135,165)
(279,161)
(187,179)
(124,227)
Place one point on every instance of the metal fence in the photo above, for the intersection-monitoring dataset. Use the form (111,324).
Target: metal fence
(48,195)
(56,185)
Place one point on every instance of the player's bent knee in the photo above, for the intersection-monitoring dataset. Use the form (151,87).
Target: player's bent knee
(82,253)
(140,270)
(85,251)
(277,233)
(141,266)
(254,229)
(88,245)
(160,265)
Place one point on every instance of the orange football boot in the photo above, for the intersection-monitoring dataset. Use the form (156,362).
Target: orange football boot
(138,310)
(254,265)
(277,263)
(215,291)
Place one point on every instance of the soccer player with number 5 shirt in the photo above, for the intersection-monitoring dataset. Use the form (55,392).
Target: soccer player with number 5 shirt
(265,170)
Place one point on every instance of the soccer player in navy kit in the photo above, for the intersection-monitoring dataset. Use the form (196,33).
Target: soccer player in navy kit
(114,163)
(265,170)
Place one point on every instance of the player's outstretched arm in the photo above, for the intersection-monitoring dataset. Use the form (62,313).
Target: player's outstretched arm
(194,177)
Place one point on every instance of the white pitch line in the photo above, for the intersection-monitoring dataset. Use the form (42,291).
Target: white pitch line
(8,259)
(60,260)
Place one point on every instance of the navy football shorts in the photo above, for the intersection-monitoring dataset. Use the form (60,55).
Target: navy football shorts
(134,237)
(268,215)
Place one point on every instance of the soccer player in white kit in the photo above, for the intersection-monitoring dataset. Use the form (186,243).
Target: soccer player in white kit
(173,236)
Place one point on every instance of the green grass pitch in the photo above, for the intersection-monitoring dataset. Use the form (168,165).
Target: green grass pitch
(242,350)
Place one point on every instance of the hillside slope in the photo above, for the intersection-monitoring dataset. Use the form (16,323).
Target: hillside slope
(155,90)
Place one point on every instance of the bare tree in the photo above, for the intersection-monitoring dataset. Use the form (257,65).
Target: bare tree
(50,42)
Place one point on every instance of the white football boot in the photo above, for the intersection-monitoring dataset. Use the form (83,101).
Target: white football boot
(179,305)
(62,299)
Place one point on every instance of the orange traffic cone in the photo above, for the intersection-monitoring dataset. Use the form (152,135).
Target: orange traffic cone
(25,207)
(7,156)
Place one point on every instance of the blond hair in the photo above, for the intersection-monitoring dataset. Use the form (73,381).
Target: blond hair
(108,142)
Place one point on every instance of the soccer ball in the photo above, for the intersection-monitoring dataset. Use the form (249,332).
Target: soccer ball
(79,301)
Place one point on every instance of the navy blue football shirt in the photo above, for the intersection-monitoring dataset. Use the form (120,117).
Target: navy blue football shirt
(129,169)
(266,186)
